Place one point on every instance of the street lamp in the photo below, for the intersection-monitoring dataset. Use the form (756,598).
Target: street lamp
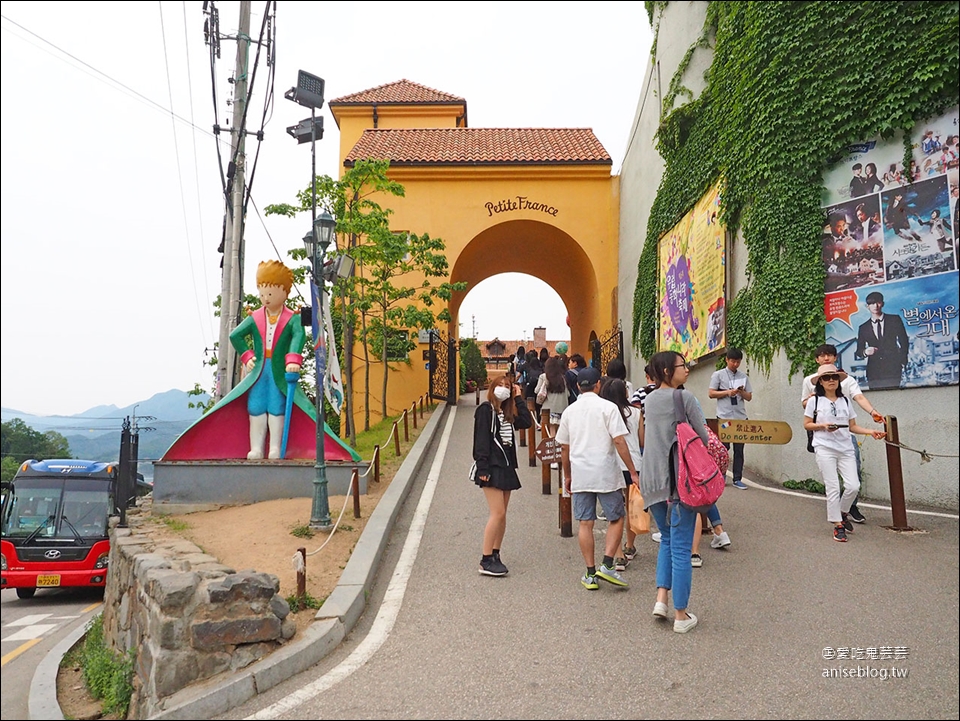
(316,243)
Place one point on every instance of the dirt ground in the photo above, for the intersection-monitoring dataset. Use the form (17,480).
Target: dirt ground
(260,537)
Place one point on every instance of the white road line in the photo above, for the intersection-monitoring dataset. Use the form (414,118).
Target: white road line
(392,600)
(31,632)
(29,620)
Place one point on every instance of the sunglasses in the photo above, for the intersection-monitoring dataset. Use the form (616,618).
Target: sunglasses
(830,377)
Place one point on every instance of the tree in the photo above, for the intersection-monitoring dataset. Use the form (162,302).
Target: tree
(472,365)
(371,297)
(19,442)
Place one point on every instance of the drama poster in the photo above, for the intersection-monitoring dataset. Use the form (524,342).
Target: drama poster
(898,335)
(918,234)
(692,282)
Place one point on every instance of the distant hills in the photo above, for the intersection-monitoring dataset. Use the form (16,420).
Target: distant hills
(95,433)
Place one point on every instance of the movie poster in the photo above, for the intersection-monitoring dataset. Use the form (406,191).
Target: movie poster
(890,258)
(692,282)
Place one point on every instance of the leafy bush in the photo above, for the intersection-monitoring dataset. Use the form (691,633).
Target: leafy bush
(472,366)
(108,677)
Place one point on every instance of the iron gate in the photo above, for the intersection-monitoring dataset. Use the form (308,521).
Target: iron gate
(443,368)
(608,347)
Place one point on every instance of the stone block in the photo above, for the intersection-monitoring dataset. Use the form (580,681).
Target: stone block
(244,586)
(172,591)
(217,635)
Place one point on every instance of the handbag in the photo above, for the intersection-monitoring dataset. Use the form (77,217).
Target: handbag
(638,518)
(719,453)
(699,482)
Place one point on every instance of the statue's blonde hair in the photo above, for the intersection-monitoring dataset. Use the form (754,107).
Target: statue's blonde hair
(273,272)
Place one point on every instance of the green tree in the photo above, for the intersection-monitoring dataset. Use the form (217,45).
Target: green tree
(471,361)
(19,442)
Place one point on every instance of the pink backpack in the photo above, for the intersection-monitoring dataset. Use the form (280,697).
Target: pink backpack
(699,482)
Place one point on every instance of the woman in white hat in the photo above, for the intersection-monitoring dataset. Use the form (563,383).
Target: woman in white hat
(831,417)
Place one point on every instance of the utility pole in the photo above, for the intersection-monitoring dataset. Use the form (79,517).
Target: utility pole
(231,290)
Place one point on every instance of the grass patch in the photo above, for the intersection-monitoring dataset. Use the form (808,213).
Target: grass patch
(345,527)
(379,433)
(108,677)
(298,604)
(175,524)
(810,485)
(302,530)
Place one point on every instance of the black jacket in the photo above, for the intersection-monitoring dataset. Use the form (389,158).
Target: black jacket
(488,449)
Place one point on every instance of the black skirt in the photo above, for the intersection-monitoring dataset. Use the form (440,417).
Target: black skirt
(505,479)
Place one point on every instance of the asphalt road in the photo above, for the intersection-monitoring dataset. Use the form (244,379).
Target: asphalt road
(440,641)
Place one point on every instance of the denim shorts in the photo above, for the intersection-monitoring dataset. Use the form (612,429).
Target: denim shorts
(585,505)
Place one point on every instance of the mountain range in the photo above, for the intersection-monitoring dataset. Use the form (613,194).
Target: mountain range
(95,433)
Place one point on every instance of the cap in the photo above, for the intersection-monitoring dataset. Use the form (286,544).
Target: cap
(588,377)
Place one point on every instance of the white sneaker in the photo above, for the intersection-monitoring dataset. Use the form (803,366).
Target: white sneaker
(720,540)
(695,560)
(655,537)
(686,624)
(660,609)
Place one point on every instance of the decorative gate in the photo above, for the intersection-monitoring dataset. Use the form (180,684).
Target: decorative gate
(608,347)
(443,368)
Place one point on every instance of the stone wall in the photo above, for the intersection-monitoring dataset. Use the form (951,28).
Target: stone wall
(186,616)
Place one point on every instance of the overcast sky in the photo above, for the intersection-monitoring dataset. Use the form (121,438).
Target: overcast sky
(111,206)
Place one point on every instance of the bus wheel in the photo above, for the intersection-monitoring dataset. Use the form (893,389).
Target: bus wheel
(26,592)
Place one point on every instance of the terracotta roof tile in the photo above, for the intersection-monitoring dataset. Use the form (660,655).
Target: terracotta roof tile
(402,92)
(471,146)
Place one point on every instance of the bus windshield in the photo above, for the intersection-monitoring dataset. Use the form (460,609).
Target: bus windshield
(55,508)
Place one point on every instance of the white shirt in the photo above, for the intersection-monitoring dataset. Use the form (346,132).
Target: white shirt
(588,427)
(633,439)
(840,411)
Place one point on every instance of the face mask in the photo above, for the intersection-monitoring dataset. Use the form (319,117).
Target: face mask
(501,393)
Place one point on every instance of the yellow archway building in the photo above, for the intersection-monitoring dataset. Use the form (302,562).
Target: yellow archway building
(540,201)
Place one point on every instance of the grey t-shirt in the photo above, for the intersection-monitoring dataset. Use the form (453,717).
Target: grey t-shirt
(724,380)
(660,437)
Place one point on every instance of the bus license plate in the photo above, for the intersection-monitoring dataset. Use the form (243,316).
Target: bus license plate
(48,580)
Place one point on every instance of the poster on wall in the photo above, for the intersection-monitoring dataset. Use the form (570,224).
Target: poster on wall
(692,282)
(892,289)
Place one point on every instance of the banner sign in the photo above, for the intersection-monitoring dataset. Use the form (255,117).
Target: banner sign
(692,282)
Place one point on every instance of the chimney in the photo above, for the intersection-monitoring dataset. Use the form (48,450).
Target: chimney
(539,337)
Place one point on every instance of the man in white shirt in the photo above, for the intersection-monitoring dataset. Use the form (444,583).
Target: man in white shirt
(827,354)
(731,388)
(591,436)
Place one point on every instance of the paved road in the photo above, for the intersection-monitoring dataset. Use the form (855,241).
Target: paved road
(537,645)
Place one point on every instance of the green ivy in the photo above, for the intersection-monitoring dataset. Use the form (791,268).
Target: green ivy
(790,86)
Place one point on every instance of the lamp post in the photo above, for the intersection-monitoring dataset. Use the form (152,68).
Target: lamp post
(316,243)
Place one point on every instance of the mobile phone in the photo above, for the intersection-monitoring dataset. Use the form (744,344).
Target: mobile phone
(835,426)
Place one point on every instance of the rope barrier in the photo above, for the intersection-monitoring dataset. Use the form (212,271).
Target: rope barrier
(924,456)
(297,559)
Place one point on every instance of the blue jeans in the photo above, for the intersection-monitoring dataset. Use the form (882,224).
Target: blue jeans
(714,515)
(737,460)
(674,572)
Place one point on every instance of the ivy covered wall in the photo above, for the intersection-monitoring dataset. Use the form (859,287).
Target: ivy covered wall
(791,86)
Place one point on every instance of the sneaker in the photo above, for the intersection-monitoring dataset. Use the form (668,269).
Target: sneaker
(610,575)
(847,523)
(695,560)
(742,486)
(685,625)
(589,582)
(629,552)
(655,537)
(496,557)
(660,609)
(839,534)
(720,540)
(620,563)
(492,567)
(856,516)
(601,516)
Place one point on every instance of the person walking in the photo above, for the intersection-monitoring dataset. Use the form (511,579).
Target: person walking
(615,391)
(826,354)
(495,454)
(592,435)
(731,388)
(658,485)
(831,417)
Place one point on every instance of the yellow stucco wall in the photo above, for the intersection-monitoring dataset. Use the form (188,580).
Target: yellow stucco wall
(558,223)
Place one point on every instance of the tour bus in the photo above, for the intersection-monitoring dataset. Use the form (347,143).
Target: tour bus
(54,525)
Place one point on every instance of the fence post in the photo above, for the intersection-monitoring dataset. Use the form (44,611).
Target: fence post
(413,409)
(478,394)
(355,490)
(898,505)
(302,575)
(376,463)
(396,437)
(406,427)
(566,514)
(532,431)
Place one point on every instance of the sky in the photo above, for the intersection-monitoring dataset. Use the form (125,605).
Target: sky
(111,192)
